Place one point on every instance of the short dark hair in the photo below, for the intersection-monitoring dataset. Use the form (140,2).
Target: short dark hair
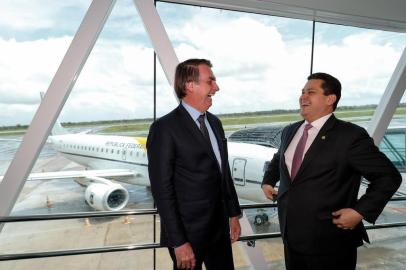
(330,85)
(187,71)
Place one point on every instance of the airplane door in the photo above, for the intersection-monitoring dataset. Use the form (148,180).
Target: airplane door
(238,171)
(123,155)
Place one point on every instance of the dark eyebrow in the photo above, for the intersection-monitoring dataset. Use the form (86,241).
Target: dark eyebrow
(308,89)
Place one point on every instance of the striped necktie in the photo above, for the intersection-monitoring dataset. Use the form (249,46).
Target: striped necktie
(203,127)
(299,151)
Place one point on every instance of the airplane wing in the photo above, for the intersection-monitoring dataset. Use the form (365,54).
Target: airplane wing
(78,174)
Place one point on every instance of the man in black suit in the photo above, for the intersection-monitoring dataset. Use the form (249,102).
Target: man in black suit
(190,176)
(319,164)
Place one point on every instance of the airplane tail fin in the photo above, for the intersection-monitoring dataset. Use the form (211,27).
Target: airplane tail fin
(58,129)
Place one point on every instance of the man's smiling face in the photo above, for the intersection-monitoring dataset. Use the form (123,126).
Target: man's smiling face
(314,104)
(199,94)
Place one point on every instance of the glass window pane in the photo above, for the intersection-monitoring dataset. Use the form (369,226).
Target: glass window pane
(260,61)
(393,144)
(34,38)
(261,64)
(362,59)
(112,97)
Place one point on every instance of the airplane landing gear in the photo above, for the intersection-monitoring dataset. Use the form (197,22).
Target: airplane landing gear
(251,243)
(261,219)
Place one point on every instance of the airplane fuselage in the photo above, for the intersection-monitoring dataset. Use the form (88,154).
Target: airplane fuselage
(102,151)
(247,164)
(247,161)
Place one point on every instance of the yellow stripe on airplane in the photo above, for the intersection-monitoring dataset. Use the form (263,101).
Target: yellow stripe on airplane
(142,141)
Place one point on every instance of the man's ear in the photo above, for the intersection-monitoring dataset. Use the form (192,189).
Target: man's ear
(189,86)
(331,99)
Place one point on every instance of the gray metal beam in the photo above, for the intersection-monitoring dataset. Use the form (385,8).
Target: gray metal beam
(389,102)
(159,38)
(53,103)
(376,14)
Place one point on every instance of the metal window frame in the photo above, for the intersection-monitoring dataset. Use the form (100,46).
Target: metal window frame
(71,66)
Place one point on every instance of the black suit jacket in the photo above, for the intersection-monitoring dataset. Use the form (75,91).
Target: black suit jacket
(328,180)
(193,196)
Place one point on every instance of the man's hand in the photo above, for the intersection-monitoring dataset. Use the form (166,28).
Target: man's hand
(185,258)
(269,191)
(235,229)
(346,218)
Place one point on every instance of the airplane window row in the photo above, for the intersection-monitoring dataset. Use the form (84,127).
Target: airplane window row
(102,150)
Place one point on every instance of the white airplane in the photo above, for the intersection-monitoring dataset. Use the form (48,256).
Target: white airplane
(126,160)
(247,164)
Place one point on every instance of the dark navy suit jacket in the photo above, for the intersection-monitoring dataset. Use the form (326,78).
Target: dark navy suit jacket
(328,180)
(193,196)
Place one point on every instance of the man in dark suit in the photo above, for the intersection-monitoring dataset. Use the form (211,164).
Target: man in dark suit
(319,164)
(190,176)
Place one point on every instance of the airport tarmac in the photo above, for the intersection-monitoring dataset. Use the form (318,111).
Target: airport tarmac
(386,251)
(66,196)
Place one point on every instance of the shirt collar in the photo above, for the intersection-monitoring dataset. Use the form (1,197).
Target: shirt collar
(192,111)
(319,123)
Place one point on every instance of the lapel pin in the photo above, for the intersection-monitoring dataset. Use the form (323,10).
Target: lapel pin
(323,137)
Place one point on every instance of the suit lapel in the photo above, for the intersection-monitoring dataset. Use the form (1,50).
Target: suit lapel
(290,134)
(216,130)
(191,126)
(317,145)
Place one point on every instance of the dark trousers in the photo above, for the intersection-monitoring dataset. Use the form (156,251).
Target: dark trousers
(218,256)
(345,260)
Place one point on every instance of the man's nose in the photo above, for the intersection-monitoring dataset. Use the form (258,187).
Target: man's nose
(216,86)
(303,96)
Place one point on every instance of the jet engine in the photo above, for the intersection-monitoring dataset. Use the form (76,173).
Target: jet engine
(106,197)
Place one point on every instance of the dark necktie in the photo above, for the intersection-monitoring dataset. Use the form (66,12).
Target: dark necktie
(298,155)
(203,127)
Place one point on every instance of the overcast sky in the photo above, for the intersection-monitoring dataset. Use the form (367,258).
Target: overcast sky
(261,62)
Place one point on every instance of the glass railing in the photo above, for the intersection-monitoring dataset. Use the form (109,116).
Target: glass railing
(145,249)
(393,145)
